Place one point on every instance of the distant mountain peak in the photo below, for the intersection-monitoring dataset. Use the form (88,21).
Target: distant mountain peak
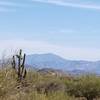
(53,61)
(46,54)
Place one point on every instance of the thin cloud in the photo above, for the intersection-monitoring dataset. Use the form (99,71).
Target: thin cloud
(7,10)
(3,3)
(13,4)
(30,47)
(70,4)
(6,6)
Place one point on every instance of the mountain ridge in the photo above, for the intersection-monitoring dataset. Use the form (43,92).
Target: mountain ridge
(54,61)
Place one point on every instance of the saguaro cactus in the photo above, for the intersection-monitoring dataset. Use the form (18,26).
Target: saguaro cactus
(13,62)
(20,67)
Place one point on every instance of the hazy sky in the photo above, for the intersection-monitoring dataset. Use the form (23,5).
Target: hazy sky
(69,28)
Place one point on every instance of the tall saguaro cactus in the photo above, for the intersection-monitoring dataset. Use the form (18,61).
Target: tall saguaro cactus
(20,67)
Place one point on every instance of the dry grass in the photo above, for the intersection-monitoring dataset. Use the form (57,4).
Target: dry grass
(44,87)
(10,89)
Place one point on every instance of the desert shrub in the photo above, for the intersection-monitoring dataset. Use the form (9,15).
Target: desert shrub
(86,86)
(51,87)
(36,96)
(2,93)
(60,96)
(44,83)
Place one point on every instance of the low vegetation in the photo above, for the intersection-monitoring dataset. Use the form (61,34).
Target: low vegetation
(37,86)
(43,87)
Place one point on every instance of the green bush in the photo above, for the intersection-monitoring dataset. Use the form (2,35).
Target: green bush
(86,86)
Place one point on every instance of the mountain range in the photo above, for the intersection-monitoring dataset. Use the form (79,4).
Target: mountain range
(53,61)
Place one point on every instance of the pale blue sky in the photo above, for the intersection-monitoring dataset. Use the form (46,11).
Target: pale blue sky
(69,28)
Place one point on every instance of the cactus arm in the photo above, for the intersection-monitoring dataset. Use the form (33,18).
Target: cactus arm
(23,63)
(24,76)
(13,62)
